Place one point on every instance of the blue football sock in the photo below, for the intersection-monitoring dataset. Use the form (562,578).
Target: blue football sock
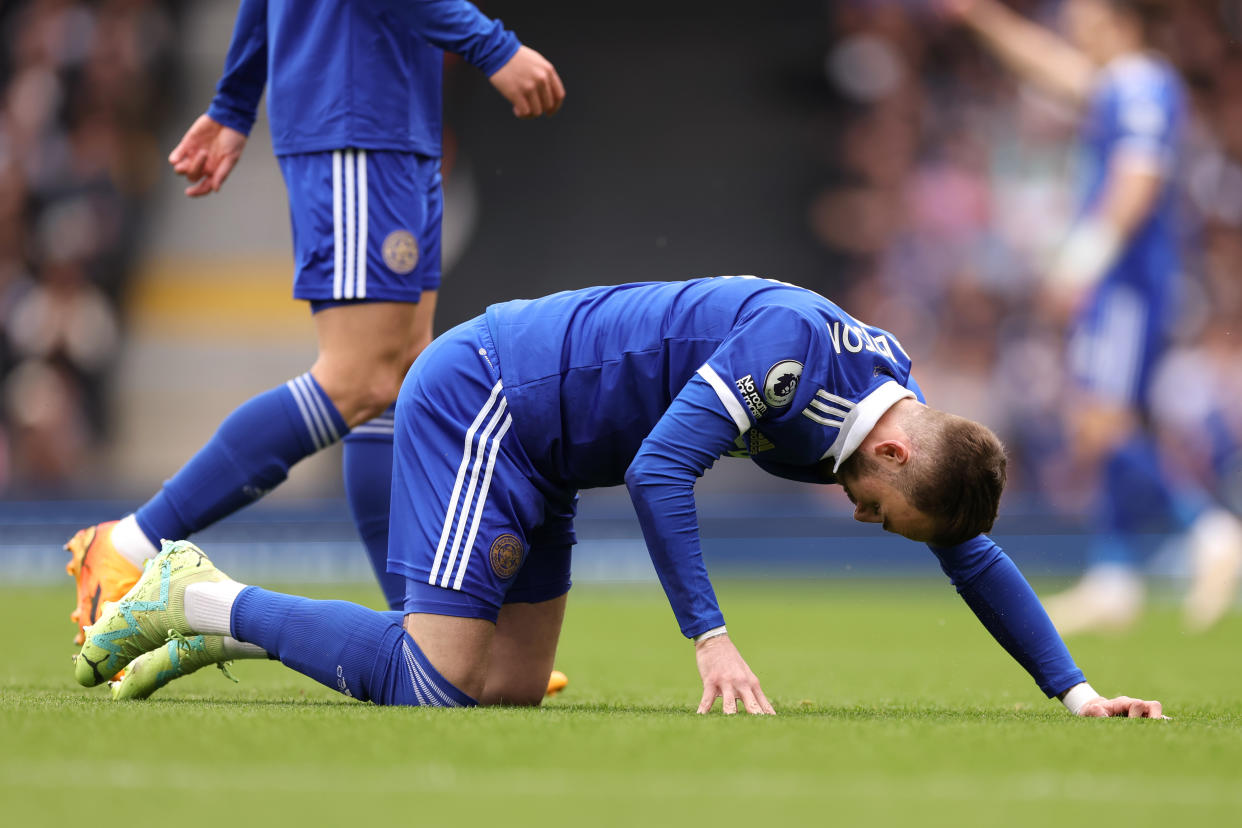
(248,455)
(360,652)
(368,488)
(1136,498)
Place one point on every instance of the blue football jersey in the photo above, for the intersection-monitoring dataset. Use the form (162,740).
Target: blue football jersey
(1137,107)
(589,373)
(651,383)
(352,73)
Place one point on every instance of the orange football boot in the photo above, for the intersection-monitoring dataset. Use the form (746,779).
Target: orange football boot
(557,682)
(100,571)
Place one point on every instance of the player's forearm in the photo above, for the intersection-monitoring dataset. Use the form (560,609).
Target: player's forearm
(1004,602)
(1099,239)
(1130,195)
(686,441)
(245,70)
(459,27)
(1030,50)
(663,499)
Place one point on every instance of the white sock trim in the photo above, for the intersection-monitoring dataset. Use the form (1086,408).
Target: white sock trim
(130,542)
(235,649)
(209,606)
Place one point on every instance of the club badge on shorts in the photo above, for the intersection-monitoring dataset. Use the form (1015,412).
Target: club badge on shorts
(400,251)
(506,556)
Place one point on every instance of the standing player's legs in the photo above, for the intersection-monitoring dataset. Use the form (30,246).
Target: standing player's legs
(366,243)
(1112,349)
(367,461)
(1112,354)
(367,469)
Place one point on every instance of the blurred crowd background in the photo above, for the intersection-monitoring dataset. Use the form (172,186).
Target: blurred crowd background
(863,148)
(952,190)
(84,88)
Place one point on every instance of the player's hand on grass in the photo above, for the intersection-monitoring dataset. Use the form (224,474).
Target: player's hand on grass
(530,83)
(1100,707)
(206,155)
(726,676)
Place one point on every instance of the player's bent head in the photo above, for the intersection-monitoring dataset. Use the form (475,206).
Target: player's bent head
(956,474)
(927,474)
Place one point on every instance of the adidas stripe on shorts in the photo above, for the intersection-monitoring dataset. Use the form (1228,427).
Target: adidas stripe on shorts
(473,526)
(366,224)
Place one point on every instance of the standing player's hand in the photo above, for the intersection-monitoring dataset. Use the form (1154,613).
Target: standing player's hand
(957,9)
(206,155)
(530,83)
(726,676)
(1100,708)
(1060,304)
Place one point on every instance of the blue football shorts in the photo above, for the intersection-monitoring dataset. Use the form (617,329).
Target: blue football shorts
(473,525)
(1117,340)
(366,225)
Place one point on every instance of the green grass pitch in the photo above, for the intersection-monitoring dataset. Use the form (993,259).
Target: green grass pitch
(895,707)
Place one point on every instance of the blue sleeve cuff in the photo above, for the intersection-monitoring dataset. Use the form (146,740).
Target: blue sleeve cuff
(233,117)
(494,58)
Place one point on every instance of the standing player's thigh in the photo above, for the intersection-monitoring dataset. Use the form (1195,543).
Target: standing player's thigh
(366,224)
(1114,346)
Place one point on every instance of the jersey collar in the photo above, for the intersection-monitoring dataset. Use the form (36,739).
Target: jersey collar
(862,419)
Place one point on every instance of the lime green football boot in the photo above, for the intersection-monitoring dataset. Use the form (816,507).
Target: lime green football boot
(145,618)
(179,657)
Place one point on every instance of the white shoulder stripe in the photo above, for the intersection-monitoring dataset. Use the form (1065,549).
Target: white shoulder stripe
(863,418)
(828,409)
(727,397)
(824,421)
(833,398)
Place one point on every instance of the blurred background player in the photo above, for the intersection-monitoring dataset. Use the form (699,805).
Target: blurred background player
(1119,277)
(354,100)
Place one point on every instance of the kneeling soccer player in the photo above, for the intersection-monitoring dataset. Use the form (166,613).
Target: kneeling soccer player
(504,418)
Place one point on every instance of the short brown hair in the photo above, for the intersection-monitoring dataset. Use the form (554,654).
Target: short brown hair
(958,474)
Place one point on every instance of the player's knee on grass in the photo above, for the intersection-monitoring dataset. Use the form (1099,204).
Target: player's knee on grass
(458,648)
(523,652)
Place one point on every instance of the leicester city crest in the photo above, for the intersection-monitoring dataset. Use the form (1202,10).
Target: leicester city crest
(506,556)
(400,251)
(782,382)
